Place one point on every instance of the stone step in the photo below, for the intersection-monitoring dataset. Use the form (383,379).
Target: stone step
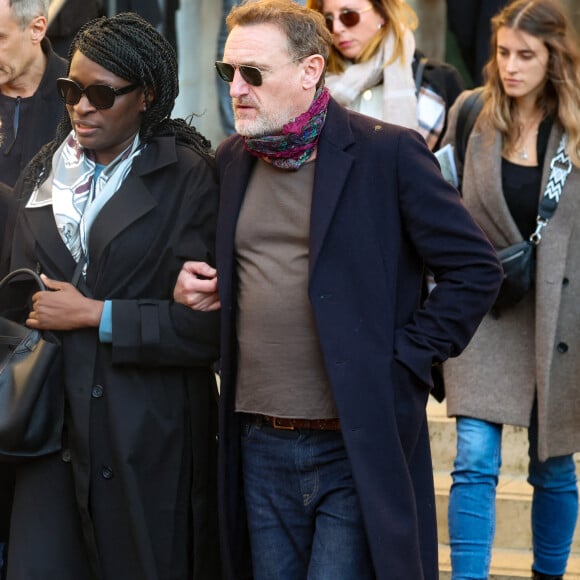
(507,565)
(513,513)
(512,555)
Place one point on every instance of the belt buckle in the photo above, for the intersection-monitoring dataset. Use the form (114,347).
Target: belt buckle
(277,425)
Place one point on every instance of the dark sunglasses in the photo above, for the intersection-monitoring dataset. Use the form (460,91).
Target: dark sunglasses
(100,96)
(251,74)
(347,16)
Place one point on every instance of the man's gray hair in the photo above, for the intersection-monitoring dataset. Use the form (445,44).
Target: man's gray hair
(24,11)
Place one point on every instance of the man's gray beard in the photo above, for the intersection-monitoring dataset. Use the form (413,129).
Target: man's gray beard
(264,127)
(259,132)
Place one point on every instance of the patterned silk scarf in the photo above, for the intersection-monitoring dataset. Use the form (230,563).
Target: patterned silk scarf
(77,196)
(298,139)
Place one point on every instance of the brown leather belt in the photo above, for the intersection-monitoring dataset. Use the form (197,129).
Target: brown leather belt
(292,424)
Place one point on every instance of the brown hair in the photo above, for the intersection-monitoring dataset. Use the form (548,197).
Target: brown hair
(546,21)
(305,29)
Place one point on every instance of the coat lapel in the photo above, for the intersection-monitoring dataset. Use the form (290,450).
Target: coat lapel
(234,177)
(499,224)
(55,256)
(133,200)
(333,165)
(128,205)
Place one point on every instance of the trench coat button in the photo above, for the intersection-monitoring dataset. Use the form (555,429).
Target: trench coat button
(562,347)
(97,392)
(565,282)
(107,472)
(66,455)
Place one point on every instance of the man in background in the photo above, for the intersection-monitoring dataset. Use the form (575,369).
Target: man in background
(30,107)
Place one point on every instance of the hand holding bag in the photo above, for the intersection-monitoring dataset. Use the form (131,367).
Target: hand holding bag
(31,391)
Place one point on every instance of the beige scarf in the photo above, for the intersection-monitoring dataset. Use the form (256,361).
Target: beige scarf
(399,99)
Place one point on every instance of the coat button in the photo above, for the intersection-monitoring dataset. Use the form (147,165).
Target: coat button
(66,455)
(107,472)
(97,392)
(565,282)
(562,347)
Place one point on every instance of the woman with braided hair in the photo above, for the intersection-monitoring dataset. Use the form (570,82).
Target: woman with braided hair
(109,211)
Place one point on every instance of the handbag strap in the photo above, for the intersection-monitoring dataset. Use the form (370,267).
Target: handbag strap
(560,168)
(23,272)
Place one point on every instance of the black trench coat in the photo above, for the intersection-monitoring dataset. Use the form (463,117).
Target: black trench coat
(131,496)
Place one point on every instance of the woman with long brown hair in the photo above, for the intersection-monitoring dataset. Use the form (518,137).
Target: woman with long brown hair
(522,365)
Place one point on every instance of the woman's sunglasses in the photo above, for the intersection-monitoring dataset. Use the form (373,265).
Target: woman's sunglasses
(347,16)
(251,74)
(100,96)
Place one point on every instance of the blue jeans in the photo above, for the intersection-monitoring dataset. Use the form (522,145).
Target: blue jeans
(472,501)
(303,511)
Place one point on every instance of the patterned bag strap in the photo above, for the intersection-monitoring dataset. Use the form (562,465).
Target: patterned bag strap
(560,168)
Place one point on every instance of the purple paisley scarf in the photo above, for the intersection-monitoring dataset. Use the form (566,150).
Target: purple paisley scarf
(298,139)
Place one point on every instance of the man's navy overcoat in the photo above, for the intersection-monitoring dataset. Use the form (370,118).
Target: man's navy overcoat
(381,212)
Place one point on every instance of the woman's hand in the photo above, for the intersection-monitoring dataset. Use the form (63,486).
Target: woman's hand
(63,307)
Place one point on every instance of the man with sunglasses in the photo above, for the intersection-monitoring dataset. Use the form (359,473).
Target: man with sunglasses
(225,105)
(327,221)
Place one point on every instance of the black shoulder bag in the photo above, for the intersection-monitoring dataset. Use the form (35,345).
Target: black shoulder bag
(31,390)
(518,260)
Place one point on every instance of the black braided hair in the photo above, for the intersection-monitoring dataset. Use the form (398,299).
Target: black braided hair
(131,48)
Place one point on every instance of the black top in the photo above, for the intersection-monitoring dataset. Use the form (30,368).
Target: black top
(521,188)
(521,184)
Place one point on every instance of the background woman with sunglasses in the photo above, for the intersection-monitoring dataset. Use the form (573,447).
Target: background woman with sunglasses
(118,201)
(373,66)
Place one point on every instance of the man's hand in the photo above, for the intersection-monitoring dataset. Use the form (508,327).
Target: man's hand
(196,287)
(63,307)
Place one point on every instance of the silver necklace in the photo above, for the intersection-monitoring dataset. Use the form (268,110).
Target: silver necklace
(523,152)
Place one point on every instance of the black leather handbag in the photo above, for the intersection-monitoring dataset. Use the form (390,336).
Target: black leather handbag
(519,264)
(31,390)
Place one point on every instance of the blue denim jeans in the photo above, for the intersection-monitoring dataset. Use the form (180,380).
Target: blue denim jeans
(303,511)
(472,502)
